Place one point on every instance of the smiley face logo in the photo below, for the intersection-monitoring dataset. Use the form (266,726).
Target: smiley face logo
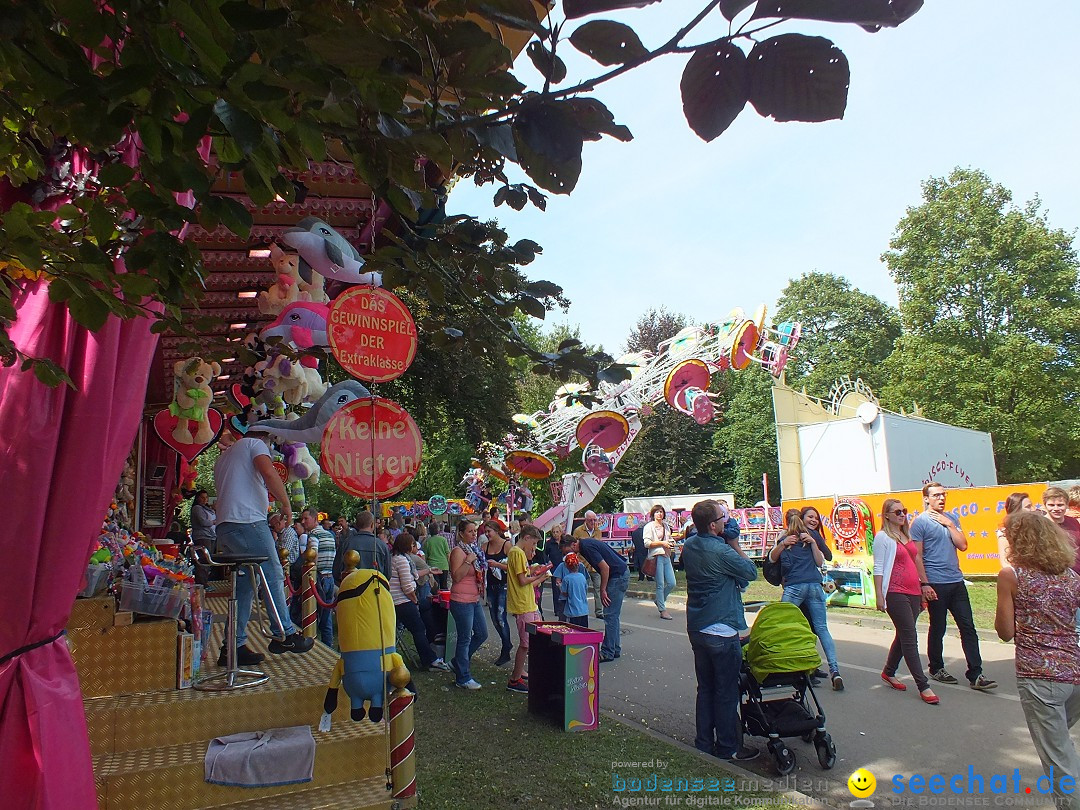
(862,784)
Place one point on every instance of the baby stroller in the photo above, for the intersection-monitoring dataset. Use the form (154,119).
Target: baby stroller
(776,687)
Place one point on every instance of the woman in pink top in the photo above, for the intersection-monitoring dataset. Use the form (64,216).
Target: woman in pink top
(1037,602)
(898,579)
(468,567)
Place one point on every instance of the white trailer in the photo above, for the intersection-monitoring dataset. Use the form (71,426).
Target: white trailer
(674,503)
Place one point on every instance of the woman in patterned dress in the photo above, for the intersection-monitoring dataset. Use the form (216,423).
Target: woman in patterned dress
(1037,602)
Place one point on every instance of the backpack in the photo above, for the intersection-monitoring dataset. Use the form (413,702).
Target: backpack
(771,571)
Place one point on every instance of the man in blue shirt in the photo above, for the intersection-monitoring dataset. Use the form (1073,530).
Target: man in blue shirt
(614,580)
(715,571)
(940,537)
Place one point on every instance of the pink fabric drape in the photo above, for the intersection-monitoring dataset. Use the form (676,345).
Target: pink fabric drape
(61,454)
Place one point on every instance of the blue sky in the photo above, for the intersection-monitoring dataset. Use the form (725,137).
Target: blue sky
(669,220)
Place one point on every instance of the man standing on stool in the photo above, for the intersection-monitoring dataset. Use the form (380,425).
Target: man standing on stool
(243,474)
(940,537)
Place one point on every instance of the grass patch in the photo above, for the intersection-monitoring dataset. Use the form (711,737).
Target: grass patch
(484,750)
(983,595)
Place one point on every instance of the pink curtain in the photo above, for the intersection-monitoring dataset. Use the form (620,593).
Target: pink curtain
(61,454)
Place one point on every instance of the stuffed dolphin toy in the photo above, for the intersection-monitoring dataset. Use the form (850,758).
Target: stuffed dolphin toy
(303,323)
(328,252)
(309,427)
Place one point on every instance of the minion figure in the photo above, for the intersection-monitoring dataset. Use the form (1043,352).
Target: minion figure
(366,635)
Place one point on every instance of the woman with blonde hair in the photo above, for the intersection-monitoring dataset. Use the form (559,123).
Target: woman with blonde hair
(899,580)
(1038,597)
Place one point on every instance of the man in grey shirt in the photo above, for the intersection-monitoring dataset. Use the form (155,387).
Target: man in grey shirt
(374,553)
(940,537)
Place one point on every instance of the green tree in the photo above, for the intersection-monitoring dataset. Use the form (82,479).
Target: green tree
(991,315)
(746,440)
(845,332)
(134,91)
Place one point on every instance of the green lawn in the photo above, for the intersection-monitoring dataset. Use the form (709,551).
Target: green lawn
(983,596)
(483,750)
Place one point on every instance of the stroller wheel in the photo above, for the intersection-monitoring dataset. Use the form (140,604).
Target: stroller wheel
(826,752)
(784,757)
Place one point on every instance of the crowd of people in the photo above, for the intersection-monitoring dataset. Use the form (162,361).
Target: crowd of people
(505,567)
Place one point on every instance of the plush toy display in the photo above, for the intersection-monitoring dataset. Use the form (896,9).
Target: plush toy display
(366,635)
(191,400)
(290,380)
(309,427)
(286,290)
(309,283)
(302,465)
(125,494)
(302,324)
(328,252)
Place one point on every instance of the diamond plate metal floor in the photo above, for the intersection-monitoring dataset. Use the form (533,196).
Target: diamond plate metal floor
(149,747)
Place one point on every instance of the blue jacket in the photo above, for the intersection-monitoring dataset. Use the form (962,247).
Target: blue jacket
(713,572)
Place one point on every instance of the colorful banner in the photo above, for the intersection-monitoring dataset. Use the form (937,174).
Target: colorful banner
(979,510)
(422,509)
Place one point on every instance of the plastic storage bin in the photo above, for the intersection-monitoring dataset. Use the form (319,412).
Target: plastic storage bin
(152,600)
(97,577)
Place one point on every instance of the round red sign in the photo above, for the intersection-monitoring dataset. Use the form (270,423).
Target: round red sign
(372,334)
(371,448)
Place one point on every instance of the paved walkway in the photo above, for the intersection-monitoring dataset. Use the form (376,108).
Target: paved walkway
(888,732)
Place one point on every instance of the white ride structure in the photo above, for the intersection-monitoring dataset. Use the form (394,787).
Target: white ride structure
(604,423)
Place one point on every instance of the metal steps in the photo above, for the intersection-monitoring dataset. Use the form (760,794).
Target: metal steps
(149,747)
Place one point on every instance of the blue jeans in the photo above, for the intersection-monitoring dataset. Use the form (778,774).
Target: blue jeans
(616,591)
(558,602)
(497,609)
(811,597)
(408,614)
(255,539)
(717,663)
(325,584)
(471,633)
(665,581)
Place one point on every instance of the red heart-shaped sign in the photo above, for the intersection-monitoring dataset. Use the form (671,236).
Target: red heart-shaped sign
(170,431)
(237,397)
(282,471)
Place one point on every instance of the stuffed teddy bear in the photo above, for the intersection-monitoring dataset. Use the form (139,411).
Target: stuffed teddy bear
(301,464)
(290,286)
(294,267)
(291,380)
(191,400)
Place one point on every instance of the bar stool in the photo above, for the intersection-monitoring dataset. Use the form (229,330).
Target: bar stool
(234,677)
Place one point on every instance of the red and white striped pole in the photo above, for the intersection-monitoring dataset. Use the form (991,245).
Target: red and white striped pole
(309,615)
(402,741)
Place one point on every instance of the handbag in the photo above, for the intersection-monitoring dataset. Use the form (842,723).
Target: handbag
(648,568)
(771,571)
